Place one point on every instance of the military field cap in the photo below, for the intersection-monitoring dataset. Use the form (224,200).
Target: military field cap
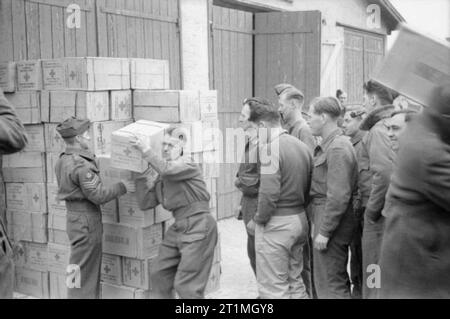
(280,88)
(73,127)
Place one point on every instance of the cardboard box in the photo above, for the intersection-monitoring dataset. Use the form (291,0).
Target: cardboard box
(57,221)
(166,106)
(111,269)
(36,139)
(121,106)
(57,106)
(131,214)
(161,214)
(208,105)
(110,212)
(212,135)
(101,135)
(149,74)
(32,256)
(110,174)
(29,75)
(27,106)
(58,286)
(28,226)
(415,65)
(127,157)
(32,282)
(53,204)
(58,258)
(53,141)
(136,272)
(134,242)
(86,74)
(8,76)
(110,291)
(26,197)
(50,160)
(58,237)
(24,167)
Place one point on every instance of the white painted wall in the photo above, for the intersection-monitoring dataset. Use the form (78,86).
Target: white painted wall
(194,44)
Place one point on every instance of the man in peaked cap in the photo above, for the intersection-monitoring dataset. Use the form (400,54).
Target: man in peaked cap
(80,186)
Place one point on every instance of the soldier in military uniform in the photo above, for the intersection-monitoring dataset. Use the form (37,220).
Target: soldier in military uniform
(83,191)
(12,139)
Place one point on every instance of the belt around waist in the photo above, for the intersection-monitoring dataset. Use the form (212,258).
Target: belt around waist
(82,206)
(287,211)
(191,209)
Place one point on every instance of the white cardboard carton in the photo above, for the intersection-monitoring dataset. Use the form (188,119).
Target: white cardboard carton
(131,214)
(101,135)
(8,76)
(32,255)
(136,272)
(415,65)
(58,285)
(121,106)
(149,74)
(29,76)
(26,197)
(208,105)
(28,226)
(86,74)
(24,167)
(111,269)
(36,140)
(110,291)
(58,258)
(53,141)
(27,106)
(127,157)
(32,282)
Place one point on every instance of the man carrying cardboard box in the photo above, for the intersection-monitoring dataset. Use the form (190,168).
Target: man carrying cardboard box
(83,191)
(187,251)
(12,139)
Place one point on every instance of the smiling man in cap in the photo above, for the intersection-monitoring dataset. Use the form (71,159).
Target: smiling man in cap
(80,186)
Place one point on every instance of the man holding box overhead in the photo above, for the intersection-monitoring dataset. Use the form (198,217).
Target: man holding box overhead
(186,254)
(80,186)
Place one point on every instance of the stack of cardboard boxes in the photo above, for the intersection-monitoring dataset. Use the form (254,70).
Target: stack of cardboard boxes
(107,91)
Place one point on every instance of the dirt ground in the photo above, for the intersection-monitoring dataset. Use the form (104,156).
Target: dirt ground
(237,280)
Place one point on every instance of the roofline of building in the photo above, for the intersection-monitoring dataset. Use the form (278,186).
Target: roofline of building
(392,10)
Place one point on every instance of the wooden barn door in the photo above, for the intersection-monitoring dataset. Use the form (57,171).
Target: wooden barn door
(36,29)
(362,51)
(287,50)
(141,29)
(231,53)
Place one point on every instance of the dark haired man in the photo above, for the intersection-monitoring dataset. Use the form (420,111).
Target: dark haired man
(396,125)
(334,184)
(378,156)
(80,186)
(280,220)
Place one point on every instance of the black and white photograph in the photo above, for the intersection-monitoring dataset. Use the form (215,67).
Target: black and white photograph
(220,153)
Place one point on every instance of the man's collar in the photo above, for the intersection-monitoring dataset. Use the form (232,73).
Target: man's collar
(355,139)
(326,141)
(299,122)
(79,151)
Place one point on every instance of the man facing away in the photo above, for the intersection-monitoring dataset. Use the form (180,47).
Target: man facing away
(12,139)
(352,120)
(334,184)
(291,101)
(186,254)
(378,155)
(80,186)
(280,223)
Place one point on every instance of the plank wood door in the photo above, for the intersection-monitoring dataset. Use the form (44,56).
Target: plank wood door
(231,53)
(287,50)
(362,51)
(141,29)
(36,29)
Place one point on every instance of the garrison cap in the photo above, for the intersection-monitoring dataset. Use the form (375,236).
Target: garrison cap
(73,127)
(280,88)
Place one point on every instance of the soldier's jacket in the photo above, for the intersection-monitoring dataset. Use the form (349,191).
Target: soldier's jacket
(286,168)
(301,130)
(78,179)
(12,133)
(179,188)
(334,183)
(378,154)
(364,175)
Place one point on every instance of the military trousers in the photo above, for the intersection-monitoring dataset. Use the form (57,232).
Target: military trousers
(248,209)
(279,257)
(356,276)
(6,266)
(85,232)
(371,249)
(185,258)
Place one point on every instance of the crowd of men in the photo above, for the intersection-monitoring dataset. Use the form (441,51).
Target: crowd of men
(359,187)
